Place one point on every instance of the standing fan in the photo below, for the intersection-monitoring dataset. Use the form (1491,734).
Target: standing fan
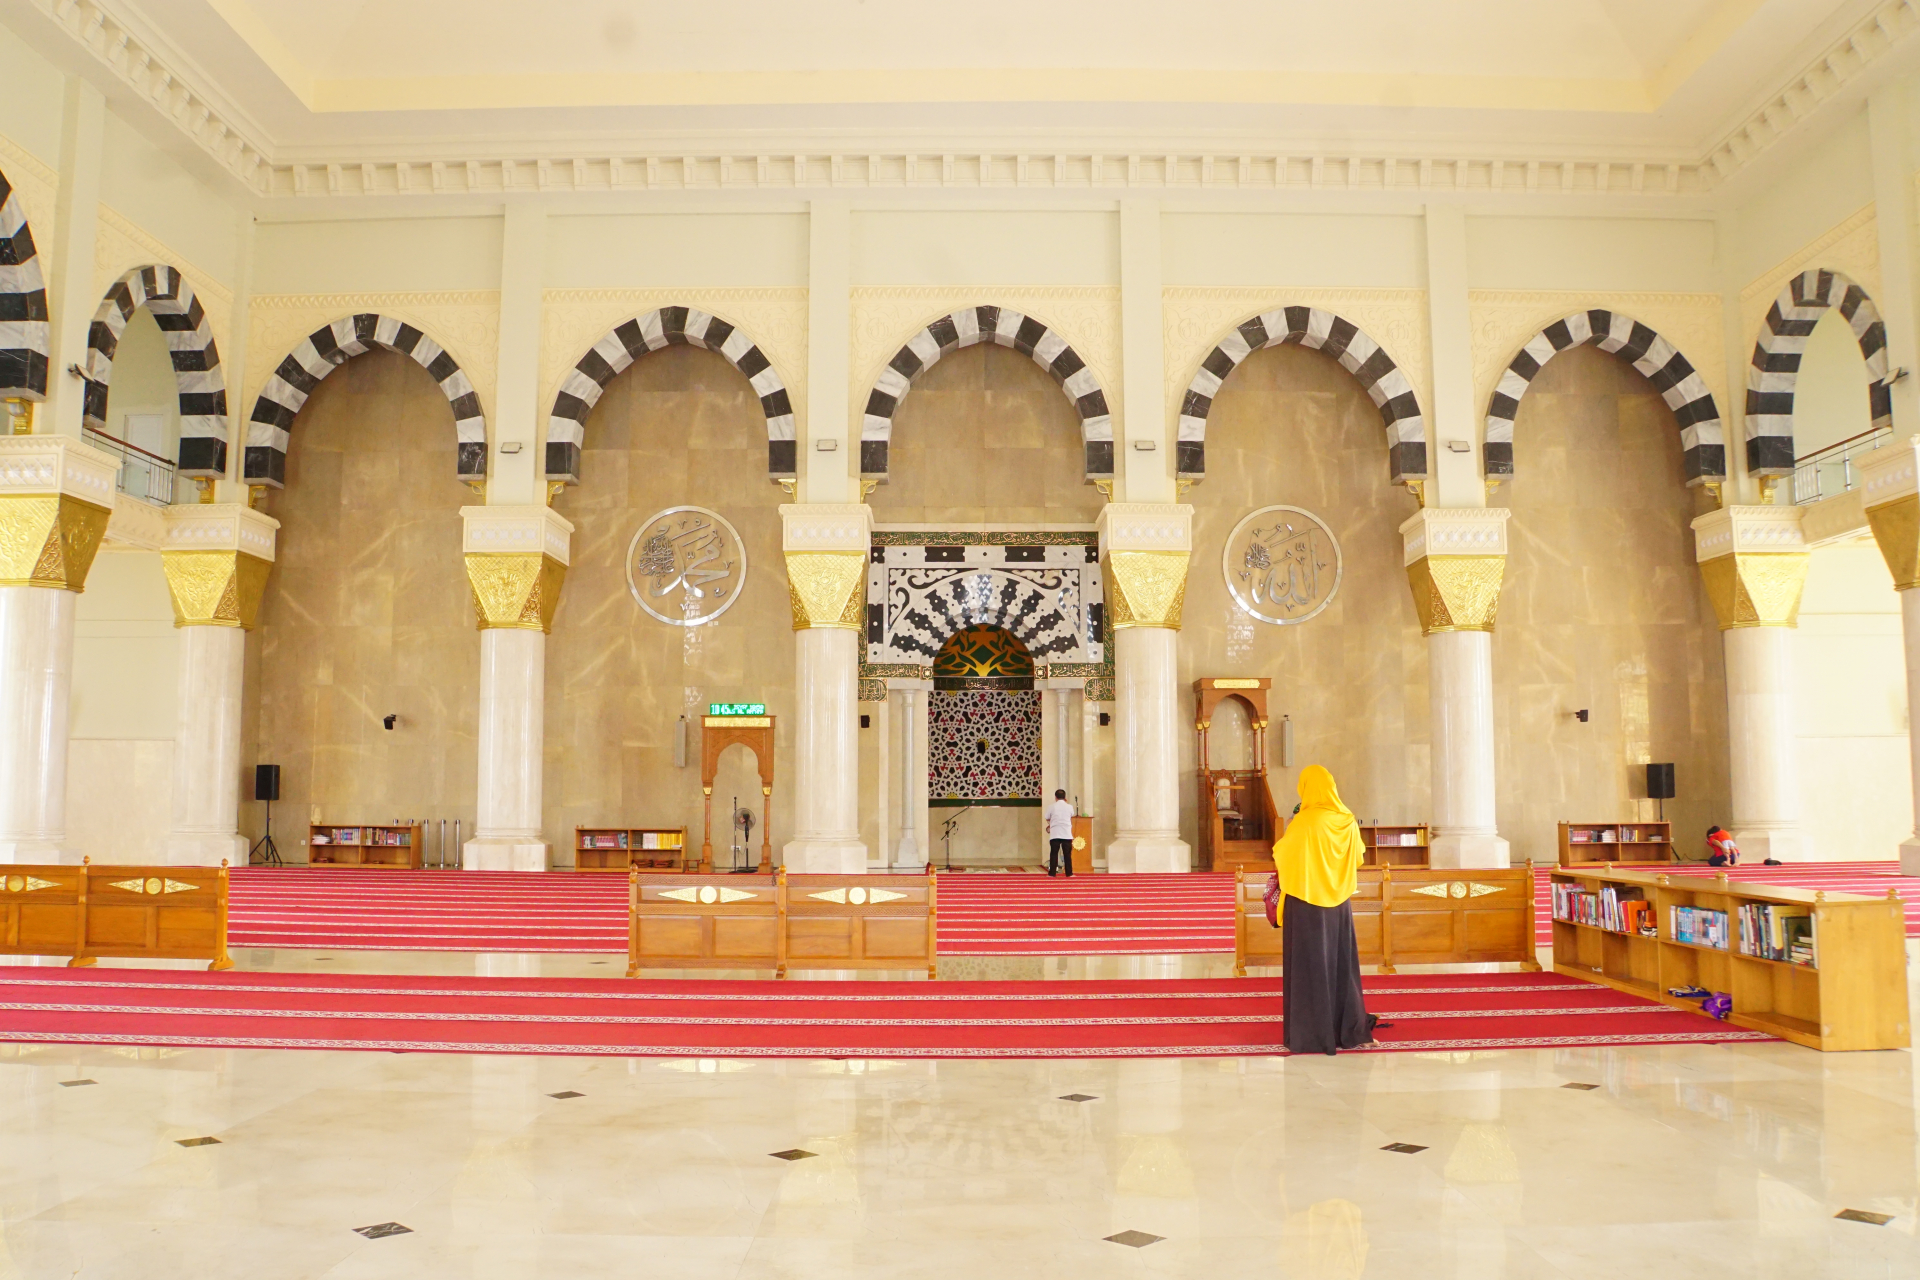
(743,820)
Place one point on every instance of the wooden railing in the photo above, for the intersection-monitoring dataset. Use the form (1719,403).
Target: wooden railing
(88,912)
(1410,915)
(781,922)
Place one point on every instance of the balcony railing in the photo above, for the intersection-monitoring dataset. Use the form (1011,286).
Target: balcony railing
(143,475)
(1825,472)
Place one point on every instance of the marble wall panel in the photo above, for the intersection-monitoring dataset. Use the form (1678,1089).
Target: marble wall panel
(367,613)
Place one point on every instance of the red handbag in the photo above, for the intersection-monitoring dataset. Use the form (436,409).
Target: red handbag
(1273,899)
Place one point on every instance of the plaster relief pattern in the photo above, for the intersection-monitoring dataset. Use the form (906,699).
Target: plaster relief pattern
(36,184)
(120,245)
(1851,247)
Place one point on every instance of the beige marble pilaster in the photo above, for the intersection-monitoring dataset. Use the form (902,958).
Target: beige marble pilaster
(826,547)
(1890,491)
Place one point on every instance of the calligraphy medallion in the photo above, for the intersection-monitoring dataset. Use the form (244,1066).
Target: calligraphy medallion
(1282,565)
(686,566)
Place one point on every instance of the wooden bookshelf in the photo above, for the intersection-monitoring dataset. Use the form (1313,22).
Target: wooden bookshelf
(1396,846)
(341,844)
(629,848)
(1853,995)
(1583,842)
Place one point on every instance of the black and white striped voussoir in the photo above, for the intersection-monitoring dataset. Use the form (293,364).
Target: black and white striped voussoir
(615,353)
(1659,361)
(24,332)
(1385,383)
(167,296)
(1776,363)
(1003,327)
(326,349)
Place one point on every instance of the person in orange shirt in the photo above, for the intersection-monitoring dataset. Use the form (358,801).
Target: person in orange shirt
(1318,861)
(1721,850)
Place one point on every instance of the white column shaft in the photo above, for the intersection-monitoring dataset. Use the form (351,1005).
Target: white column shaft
(826,753)
(1460,692)
(1146,753)
(206,749)
(908,853)
(1910,632)
(1761,744)
(36,684)
(506,834)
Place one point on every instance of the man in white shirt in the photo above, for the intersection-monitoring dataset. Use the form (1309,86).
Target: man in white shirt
(1059,819)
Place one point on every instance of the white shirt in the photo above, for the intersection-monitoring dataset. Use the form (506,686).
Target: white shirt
(1059,821)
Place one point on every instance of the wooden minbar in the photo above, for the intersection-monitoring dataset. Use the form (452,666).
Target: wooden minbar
(755,733)
(1238,820)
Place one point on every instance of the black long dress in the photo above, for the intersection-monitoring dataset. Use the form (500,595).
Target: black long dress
(1320,996)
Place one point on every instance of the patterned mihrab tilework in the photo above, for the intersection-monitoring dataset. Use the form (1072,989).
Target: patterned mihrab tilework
(1047,594)
(983,747)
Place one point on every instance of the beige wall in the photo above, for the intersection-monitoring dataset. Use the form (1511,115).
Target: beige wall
(680,428)
(368,612)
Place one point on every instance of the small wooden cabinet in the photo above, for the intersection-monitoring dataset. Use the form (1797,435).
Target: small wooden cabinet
(1585,842)
(629,848)
(378,848)
(1396,846)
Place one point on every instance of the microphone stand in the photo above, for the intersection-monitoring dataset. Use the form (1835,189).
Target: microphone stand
(946,834)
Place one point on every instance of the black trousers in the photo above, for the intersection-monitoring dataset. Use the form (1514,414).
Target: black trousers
(1059,851)
(1320,997)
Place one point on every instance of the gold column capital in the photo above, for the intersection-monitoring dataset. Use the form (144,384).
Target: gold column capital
(1456,593)
(215,588)
(827,589)
(1145,588)
(1756,588)
(1896,529)
(515,590)
(49,539)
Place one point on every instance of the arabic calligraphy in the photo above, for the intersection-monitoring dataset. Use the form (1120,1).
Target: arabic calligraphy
(686,566)
(1282,565)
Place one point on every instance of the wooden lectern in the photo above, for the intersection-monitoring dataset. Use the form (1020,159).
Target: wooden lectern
(1083,841)
(755,733)
(1238,821)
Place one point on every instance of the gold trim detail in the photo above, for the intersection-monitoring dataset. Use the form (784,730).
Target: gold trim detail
(215,588)
(1482,890)
(1236,684)
(154,885)
(1896,527)
(827,589)
(27,884)
(49,539)
(1432,890)
(1145,588)
(1756,588)
(515,590)
(708,894)
(858,896)
(1456,593)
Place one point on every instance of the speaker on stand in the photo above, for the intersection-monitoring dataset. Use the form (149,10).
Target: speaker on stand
(266,786)
(1660,786)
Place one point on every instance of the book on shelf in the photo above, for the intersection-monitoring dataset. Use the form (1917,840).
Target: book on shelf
(1701,926)
(1577,836)
(1778,931)
(321,837)
(1609,909)
(346,835)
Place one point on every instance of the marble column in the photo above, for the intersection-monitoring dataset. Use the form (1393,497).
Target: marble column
(827,547)
(56,496)
(1143,551)
(1890,491)
(1754,561)
(217,559)
(1456,561)
(913,848)
(516,565)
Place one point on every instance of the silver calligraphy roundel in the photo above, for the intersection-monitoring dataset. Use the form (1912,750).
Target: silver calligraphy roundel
(1282,565)
(686,566)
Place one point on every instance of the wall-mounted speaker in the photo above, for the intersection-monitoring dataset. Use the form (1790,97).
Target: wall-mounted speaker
(1660,782)
(266,782)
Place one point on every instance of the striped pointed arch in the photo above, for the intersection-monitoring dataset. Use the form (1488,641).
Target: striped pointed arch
(165,293)
(24,332)
(1379,375)
(1702,440)
(615,353)
(1003,327)
(1775,370)
(329,347)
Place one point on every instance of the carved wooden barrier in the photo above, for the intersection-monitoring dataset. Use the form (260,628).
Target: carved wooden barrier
(779,922)
(1410,915)
(87,912)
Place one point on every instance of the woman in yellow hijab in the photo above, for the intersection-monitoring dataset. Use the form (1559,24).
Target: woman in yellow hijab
(1318,860)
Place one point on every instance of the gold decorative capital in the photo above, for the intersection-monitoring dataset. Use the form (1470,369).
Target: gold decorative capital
(517,590)
(1145,588)
(215,588)
(1896,528)
(827,589)
(1756,588)
(49,539)
(1456,593)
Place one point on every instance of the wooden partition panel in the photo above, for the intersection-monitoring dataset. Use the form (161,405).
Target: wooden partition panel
(1407,915)
(779,922)
(861,922)
(703,922)
(85,912)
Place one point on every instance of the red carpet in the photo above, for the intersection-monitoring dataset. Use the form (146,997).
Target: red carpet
(1089,915)
(806,1019)
(1869,879)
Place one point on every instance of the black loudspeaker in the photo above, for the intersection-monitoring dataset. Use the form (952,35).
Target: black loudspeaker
(1659,782)
(266,782)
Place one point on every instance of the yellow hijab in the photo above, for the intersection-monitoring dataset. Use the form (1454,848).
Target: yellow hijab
(1319,857)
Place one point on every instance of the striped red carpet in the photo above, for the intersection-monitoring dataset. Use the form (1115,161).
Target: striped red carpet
(693,1018)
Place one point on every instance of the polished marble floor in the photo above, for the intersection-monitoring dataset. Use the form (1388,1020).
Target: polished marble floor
(1722,1161)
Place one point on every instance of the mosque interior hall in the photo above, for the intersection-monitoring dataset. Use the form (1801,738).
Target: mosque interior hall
(834,640)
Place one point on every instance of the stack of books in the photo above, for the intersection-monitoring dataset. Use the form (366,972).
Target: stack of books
(1701,926)
(1776,931)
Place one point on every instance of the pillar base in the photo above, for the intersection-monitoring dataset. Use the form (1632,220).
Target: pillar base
(908,854)
(43,852)
(824,856)
(1757,844)
(205,851)
(1130,855)
(495,853)
(1469,851)
(1910,856)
